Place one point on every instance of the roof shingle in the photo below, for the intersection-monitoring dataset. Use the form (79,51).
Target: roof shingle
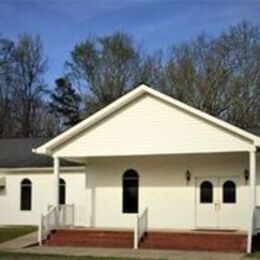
(17,153)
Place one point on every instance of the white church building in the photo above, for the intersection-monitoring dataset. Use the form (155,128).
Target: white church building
(147,171)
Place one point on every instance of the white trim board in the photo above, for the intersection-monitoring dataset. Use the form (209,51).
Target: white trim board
(42,169)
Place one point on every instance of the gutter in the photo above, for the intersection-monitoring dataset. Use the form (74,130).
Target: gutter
(70,169)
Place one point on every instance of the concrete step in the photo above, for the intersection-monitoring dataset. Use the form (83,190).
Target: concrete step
(106,239)
(221,242)
(195,241)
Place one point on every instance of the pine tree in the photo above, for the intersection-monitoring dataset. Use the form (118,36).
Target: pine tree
(65,103)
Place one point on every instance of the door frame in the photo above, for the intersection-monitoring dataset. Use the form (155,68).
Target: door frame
(200,179)
(197,179)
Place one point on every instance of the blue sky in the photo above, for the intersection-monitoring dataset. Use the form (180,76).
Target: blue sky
(152,23)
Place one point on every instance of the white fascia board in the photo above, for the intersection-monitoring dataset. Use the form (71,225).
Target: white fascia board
(47,147)
(42,169)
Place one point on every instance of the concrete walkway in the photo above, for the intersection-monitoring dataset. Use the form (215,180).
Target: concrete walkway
(20,245)
(131,253)
(19,242)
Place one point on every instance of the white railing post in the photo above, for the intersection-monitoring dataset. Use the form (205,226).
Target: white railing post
(141,226)
(63,215)
(136,231)
(73,214)
(40,231)
(146,220)
(57,216)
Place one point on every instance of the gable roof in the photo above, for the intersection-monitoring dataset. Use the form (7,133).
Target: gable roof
(17,153)
(124,100)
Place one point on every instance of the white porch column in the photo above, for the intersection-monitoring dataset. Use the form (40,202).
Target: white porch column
(56,175)
(252,198)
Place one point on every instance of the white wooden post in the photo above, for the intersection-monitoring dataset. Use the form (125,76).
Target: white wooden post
(56,165)
(252,196)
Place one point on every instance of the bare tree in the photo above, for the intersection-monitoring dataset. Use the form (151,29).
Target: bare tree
(197,75)
(219,75)
(149,69)
(22,89)
(107,65)
(242,42)
(6,69)
(30,65)
(44,123)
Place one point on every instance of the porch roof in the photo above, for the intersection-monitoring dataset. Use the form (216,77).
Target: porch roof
(61,139)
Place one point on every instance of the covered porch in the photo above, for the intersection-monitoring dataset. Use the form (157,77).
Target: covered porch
(169,201)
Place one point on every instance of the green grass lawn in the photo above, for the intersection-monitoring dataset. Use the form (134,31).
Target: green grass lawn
(255,255)
(10,232)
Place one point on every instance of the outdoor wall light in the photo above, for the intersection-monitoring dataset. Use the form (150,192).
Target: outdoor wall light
(188,176)
(246,175)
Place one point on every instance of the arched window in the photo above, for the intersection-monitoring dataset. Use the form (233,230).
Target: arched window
(130,191)
(62,192)
(229,192)
(206,192)
(26,195)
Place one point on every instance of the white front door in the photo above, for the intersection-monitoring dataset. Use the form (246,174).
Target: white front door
(229,210)
(216,203)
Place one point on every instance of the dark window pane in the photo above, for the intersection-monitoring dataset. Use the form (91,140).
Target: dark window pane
(130,192)
(206,192)
(26,194)
(62,192)
(229,192)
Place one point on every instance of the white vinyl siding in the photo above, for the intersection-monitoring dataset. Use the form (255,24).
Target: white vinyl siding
(42,196)
(149,126)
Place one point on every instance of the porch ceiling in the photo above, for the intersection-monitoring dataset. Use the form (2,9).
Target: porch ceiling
(84,160)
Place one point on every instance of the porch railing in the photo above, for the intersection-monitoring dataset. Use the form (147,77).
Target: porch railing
(56,217)
(141,227)
(256,220)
